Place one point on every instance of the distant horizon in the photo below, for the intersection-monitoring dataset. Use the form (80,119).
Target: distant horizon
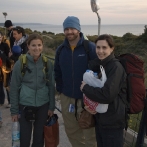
(1,23)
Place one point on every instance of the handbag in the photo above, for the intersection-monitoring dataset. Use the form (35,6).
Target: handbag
(30,113)
(86,120)
(51,132)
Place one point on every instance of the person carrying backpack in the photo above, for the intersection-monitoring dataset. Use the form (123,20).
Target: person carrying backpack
(71,61)
(32,92)
(109,125)
(4,68)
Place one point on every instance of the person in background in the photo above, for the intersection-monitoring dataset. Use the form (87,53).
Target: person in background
(20,45)
(32,94)
(109,125)
(4,68)
(69,67)
(9,26)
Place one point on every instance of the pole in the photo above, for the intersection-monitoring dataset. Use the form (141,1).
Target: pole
(5,27)
(99,23)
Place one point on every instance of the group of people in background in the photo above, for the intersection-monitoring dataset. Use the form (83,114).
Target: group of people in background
(11,47)
(35,89)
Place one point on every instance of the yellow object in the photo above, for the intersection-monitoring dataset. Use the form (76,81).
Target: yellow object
(23,59)
(5,40)
(72,47)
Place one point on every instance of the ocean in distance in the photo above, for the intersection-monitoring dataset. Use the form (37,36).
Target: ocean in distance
(116,30)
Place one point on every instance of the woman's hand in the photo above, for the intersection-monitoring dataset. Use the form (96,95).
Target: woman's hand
(82,85)
(50,113)
(14,118)
(90,111)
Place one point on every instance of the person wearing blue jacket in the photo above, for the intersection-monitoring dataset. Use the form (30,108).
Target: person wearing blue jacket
(71,62)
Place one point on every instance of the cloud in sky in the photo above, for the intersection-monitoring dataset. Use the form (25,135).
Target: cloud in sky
(55,11)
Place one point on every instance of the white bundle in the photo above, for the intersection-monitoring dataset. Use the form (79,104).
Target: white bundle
(91,80)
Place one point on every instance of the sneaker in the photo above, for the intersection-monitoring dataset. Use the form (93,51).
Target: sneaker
(8,106)
(1,124)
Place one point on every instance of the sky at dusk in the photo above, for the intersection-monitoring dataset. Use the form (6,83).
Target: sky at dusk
(55,11)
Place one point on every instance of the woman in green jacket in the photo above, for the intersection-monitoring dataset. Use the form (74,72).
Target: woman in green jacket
(32,93)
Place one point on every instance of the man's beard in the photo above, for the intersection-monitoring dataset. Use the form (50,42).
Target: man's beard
(73,37)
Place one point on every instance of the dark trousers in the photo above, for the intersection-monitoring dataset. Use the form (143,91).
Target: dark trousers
(26,127)
(6,82)
(109,137)
(8,97)
(2,94)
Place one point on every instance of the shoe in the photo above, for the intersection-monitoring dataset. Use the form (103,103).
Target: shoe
(1,124)
(1,104)
(8,106)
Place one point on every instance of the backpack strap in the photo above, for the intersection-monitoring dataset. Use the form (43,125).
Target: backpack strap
(86,47)
(45,64)
(59,51)
(23,60)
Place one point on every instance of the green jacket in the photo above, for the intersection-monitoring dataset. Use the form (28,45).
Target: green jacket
(32,89)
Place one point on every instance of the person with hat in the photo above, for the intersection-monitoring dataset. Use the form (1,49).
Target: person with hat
(9,26)
(69,68)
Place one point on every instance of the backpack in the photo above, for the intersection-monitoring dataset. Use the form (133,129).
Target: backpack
(136,91)
(23,60)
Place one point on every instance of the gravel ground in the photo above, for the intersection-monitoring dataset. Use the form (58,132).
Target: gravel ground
(5,130)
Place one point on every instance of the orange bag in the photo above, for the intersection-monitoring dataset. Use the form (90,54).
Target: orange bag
(51,133)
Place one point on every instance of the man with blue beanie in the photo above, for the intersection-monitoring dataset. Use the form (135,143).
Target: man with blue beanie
(71,62)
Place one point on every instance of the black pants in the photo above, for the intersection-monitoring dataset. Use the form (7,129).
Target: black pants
(6,82)
(2,94)
(109,137)
(8,97)
(37,126)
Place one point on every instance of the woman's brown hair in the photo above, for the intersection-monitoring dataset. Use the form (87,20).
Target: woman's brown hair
(34,37)
(108,38)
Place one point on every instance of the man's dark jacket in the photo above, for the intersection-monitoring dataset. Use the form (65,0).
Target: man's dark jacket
(70,67)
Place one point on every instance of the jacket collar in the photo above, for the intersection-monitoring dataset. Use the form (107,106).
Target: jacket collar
(30,58)
(94,64)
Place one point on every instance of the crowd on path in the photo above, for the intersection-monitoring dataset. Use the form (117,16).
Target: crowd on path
(30,79)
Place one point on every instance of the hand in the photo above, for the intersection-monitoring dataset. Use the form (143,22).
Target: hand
(50,113)
(10,54)
(14,118)
(89,110)
(82,85)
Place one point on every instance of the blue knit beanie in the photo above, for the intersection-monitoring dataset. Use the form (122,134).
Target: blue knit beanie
(72,22)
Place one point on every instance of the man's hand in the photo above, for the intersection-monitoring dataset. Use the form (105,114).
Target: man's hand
(14,118)
(90,111)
